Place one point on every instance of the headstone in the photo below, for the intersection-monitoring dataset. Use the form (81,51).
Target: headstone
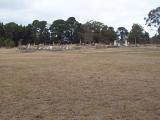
(126,43)
(115,43)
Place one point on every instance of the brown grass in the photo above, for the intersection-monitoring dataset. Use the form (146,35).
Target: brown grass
(104,84)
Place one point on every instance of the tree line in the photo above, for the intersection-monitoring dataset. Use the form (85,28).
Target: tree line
(71,31)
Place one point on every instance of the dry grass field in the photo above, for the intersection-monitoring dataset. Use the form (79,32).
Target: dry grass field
(103,84)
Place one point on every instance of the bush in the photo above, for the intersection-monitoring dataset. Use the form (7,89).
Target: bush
(6,42)
(9,43)
(2,42)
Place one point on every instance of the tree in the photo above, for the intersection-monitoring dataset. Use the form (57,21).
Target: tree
(30,35)
(80,33)
(111,34)
(88,32)
(146,37)
(20,34)
(58,30)
(36,29)
(122,33)
(2,31)
(46,36)
(42,30)
(11,32)
(92,30)
(153,18)
(72,32)
(96,29)
(159,30)
(6,42)
(104,35)
(97,32)
(137,34)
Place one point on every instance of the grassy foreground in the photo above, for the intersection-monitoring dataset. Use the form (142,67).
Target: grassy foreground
(105,84)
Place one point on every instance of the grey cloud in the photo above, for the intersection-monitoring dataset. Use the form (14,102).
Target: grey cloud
(13,4)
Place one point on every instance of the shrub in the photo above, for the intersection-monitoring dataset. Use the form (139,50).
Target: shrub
(6,42)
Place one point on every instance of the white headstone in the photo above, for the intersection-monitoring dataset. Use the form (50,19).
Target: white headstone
(126,43)
(115,43)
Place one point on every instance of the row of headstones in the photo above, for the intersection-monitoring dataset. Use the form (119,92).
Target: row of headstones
(118,43)
(45,47)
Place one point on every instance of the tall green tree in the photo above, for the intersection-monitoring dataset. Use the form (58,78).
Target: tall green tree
(146,37)
(46,36)
(96,29)
(36,31)
(11,32)
(6,42)
(108,35)
(58,30)
(111,34)
(30,36)
(137,34)
(42,28)
(88,32)
(153,18)
(41,32)
(104,35)
(2,31)
(97,32)
(92,31)
(21,34)
(80,33)
(122,33)
(73,28)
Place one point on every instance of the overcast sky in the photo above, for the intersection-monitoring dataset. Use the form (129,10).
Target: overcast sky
(114,13)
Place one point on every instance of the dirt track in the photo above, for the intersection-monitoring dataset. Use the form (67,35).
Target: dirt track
(110,84)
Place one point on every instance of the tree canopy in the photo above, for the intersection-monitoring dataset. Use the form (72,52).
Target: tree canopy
(122,32)
(138,35)
(153,18)
(70,31)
